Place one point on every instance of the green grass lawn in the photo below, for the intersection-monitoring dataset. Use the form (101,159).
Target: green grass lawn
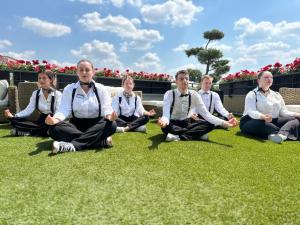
(231,179)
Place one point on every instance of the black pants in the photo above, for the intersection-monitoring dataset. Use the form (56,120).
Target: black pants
(288,126)
(35,128)
(132,122)
(188,129)
(83,133)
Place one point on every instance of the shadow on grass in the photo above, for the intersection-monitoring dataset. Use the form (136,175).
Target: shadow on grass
(156,140)
(42,146)
(240,134)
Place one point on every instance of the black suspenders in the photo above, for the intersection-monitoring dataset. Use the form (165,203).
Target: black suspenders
(210,104)
(97,96)
(172,105)
(37,98)
(120,100)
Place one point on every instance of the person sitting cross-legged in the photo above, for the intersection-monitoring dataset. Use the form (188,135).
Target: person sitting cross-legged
(179,122)
(131,114)
(212,100)
(265,114)
(92,120)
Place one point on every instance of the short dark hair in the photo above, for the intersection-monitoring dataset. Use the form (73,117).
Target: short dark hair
(85,60)
(262,73)
(185,72)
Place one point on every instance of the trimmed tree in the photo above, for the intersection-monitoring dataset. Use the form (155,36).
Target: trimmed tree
(211,57)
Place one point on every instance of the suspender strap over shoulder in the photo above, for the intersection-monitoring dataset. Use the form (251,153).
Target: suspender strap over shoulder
(37,98)
(97,96)
(98,99)
(190,101)
(120,100)
(172,105)
(173,102)
(210,104)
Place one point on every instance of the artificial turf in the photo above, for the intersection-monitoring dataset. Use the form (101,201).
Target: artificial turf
(231,179)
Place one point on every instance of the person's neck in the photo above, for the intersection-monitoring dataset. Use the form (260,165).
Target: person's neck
(183,91)
(205,90)
(128,91)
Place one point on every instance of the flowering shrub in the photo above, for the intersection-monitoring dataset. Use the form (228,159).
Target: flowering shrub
(37,66)
(276,69)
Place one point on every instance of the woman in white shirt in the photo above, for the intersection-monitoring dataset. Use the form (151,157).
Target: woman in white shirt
(131,114)
(46,100)
(88,106)
(265,114)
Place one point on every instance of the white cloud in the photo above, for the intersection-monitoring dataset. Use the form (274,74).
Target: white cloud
(223,47)
(101,53)
(126,29)
(150,62)
(61,64)
(265,29)
(26,55)
(5,43)
(45,28)
(116,3)
(176,12)
(181,48)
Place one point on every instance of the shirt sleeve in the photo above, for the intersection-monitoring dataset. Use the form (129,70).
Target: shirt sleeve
(57,100)
(250,106)
(30,107)
(115,104)
(219,106)
(201,109)
(105,100)
(139,107)
(168,98)
(64,110)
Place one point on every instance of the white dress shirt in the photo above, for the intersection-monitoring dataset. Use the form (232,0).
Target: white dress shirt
(128,109)
(44,105)
(85,105)
(180,109)
(216,103)
(272,104)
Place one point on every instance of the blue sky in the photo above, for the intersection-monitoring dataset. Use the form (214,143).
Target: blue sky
(150,35)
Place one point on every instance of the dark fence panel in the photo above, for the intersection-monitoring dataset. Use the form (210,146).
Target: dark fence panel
(146,86)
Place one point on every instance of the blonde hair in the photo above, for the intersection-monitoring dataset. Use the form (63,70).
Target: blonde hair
(206,76)
(127,77)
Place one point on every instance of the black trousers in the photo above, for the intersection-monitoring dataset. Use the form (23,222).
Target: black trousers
(188,129)
(35,128)
(132,122)
(83,133)
(288,126)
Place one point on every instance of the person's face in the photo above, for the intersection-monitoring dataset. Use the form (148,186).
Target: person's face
(85,72)
(182,82)
(206,84)
(44,81)
(128,85)
(265,81)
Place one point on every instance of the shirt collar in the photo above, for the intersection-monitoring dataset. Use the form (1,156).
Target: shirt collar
(179,93)
(203,92)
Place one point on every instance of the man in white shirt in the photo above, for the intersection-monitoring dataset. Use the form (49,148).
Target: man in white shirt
(179,105)
(212,100)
